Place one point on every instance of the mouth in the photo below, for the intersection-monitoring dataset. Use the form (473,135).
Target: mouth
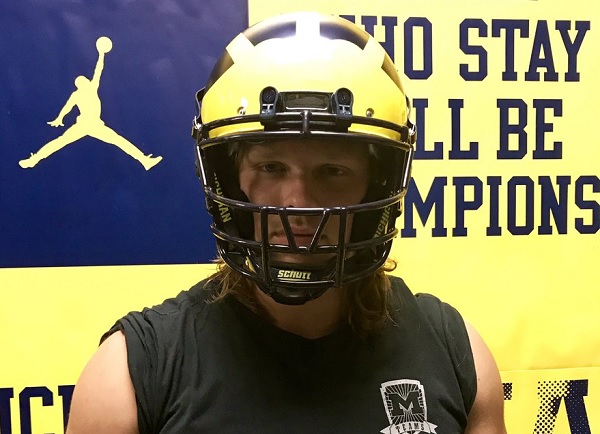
(303,239)
(302,236)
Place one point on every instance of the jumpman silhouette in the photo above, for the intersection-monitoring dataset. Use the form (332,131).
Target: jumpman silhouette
(88,123)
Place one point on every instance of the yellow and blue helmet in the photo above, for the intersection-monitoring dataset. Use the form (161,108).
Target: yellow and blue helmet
(304,76)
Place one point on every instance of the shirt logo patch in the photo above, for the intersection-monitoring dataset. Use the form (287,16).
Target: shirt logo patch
(406,408)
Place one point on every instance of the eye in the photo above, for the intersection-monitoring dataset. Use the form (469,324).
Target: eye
(332,170)
(271,167)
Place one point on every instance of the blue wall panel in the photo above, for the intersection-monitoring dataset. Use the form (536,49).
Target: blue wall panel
(90,203)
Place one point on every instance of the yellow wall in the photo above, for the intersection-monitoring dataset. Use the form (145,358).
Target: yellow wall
(533,297)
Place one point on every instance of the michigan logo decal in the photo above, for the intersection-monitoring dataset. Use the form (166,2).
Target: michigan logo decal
(406,408)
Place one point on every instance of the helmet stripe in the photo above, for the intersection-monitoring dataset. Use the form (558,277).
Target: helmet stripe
(284,29)
(331,30)
(260,33)
(390,69)
(222,65)
(307,25)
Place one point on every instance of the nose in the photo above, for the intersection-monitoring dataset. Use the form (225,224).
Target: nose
(299,191)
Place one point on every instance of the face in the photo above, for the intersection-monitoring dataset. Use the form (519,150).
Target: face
(304,174)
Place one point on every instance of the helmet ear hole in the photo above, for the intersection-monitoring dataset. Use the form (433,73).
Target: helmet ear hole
(386,182)
(221,162)
(366,223)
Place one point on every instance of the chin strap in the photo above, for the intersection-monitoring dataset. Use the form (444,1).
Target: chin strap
(292,296)
(296,284)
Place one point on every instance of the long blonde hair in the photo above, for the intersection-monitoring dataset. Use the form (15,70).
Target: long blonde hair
(366,301)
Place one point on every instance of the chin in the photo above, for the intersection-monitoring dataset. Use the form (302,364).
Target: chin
(302,260)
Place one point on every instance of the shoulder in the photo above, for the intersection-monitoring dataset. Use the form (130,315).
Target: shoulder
(104,400)
(474,364)
(442,316)
(167,317)
(448,328)
(487,412)
(152,334)
(190,300)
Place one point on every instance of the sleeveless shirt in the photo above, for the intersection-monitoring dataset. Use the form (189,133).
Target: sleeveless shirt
(218,368)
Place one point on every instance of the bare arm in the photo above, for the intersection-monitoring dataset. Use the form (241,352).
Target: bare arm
(104,399)
(487,414)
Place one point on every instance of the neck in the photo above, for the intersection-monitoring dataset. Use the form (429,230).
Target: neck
(314,319)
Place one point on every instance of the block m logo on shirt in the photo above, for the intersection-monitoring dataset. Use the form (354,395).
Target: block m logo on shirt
(406,408)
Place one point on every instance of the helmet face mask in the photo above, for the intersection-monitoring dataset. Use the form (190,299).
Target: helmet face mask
(315,102)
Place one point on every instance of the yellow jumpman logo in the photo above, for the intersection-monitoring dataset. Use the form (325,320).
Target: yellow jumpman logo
(88,123)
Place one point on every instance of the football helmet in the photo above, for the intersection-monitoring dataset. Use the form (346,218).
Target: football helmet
(303,76)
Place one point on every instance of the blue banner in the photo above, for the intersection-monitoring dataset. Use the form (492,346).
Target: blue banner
(96,108)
